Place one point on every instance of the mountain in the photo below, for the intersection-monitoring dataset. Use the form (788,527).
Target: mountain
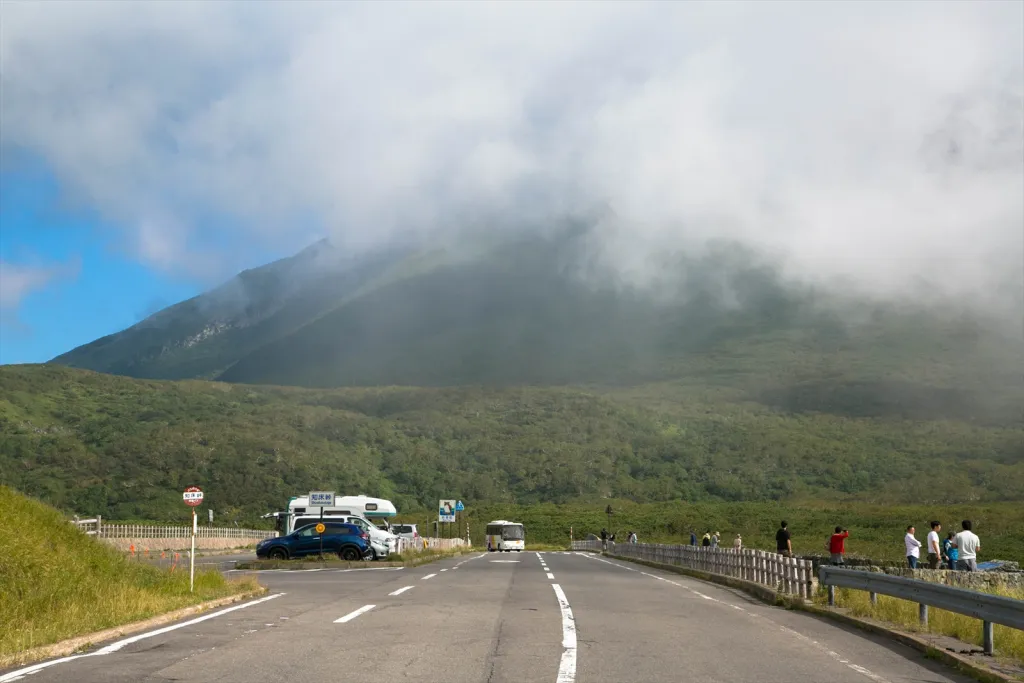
(532,311)
(126,448)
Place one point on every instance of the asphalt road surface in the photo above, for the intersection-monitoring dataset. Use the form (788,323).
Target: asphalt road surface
(497,618)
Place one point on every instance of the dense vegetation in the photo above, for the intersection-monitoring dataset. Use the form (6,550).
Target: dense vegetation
(124,448)
(58,583)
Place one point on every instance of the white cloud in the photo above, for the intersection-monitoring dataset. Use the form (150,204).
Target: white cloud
(18,280)
(881,142)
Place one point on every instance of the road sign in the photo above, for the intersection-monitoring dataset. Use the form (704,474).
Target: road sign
(459,507)
(320,528)
(446,511)
(193,496)
(321,499)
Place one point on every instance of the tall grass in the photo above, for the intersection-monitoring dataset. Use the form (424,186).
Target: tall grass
(1009,642)
(58,583)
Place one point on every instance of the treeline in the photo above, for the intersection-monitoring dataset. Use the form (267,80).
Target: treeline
(124,448)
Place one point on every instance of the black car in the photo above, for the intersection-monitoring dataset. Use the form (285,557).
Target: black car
(347,541)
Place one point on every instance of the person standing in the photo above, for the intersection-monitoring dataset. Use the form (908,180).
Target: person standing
(967,544)
(949,552)
(706,541)
(783,540)
(715,540)
(913,547)
(738,543)
(934,550)
(604,538)
(693,537)
(837,546)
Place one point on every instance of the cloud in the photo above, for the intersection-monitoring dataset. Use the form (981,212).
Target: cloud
(18,281)
(884,145)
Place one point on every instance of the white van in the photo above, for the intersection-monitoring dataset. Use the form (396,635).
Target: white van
(356,510)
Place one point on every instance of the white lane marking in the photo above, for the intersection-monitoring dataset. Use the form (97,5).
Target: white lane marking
(567,665)
(504,561)
(352,615)
(369,569)
(550,575)
(444,570)
(114,647)
(400,590)
(428,576)
(834,655)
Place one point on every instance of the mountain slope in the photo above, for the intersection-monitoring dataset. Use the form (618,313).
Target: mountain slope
(126,448)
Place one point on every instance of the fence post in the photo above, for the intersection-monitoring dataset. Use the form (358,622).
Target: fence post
(988,637)
(874,598)
(831,596)
(922,614)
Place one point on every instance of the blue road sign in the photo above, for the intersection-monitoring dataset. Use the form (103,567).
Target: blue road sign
(459,507)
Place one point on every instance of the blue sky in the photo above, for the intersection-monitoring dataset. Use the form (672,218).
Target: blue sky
(95,289)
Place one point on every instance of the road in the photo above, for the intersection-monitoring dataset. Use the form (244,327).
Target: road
(499,618)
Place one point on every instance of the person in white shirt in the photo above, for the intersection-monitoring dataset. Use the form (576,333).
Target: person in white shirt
(934,549)
(967,545)
(913,547)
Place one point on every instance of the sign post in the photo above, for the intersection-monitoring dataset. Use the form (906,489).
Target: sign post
(321,499)
(193,496)
(459,507)
(446,512)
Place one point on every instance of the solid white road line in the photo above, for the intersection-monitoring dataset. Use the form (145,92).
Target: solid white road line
(400,591)
(567,665)
(352,615)
(428,576)
(114,647)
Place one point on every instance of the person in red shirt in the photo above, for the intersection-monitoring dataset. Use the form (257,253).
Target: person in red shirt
(837,545)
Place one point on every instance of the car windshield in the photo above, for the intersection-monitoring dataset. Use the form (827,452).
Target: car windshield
(512,533)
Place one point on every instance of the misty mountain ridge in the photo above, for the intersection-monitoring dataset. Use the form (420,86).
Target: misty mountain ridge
(535,311)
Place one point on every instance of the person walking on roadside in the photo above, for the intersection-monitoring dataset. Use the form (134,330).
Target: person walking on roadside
(604,538)
(738,543)
(706,541)
(693,537)
(715,539)
(949,552)
(913,547)
(632,537)
(783,540)
(934,550)
(837,546)
(967,544)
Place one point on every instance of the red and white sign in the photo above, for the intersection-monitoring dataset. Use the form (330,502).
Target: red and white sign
(193,496)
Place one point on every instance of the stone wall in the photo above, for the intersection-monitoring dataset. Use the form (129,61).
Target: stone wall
(981,580)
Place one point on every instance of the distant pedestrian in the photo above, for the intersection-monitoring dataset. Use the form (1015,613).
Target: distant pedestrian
(783,540)
(706,541)
(967,544)
(934,549)
(632,537)
(693,537)
(837,546)
(737,544)
(604,538)
(715,540)
(913,547)
(949,552)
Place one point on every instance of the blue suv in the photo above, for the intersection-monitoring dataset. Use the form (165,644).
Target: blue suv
(347,541)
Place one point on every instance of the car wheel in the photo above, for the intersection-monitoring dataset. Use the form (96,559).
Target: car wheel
(278,554)
(349,554)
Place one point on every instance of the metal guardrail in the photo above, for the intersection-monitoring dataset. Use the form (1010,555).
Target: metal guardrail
(787,575)
(990,609)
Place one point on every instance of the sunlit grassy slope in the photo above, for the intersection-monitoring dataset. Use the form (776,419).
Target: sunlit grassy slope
(57,583)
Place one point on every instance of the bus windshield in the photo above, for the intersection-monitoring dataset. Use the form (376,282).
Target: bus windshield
(512,532)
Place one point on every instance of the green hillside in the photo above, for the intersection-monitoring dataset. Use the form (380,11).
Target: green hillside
(126,448)
(57,583)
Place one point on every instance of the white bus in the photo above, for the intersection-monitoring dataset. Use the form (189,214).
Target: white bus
(504,536)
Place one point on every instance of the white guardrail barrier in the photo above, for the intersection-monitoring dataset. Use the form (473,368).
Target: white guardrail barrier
(96,527)
(990,609)
(787,575)
(406,545)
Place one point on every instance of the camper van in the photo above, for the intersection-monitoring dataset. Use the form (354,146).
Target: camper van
(360,510)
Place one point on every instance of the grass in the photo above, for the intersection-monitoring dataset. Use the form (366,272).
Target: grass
(57,583)
(1009,642)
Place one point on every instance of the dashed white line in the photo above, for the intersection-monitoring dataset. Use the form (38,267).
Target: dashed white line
(400,591)
(550,575)
(444,570)
(428,576)
(114,647)
(352,615)
(567,665)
